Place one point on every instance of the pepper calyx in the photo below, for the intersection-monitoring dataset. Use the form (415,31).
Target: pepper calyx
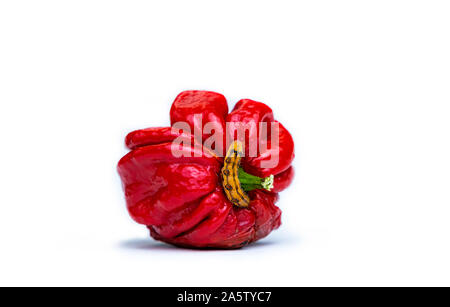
(250,182)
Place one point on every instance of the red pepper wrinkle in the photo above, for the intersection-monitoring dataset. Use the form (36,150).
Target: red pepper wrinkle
(156,182)
(153,136)
(268,216)
(201,233)
(181,199)
(284,153)
(197,108)
(252,113)
(249,114)
(283,180)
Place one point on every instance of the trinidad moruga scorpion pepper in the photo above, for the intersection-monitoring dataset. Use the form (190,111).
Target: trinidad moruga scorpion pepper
(197,183)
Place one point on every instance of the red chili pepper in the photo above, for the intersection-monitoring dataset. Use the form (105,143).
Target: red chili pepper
(200,199)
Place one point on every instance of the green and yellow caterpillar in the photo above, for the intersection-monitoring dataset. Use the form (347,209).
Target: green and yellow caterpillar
(230,176)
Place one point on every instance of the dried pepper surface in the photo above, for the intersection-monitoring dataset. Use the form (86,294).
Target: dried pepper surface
(190,201)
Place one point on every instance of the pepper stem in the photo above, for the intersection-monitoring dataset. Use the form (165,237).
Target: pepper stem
(250,182)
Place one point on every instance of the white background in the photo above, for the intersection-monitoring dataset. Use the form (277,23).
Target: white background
(364,87)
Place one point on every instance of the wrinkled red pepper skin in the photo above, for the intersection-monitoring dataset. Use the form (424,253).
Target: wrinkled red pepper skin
(181,200)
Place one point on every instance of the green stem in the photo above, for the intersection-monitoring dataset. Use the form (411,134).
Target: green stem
(250,182)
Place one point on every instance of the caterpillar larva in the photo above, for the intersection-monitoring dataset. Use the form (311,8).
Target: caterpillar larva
(230,179)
